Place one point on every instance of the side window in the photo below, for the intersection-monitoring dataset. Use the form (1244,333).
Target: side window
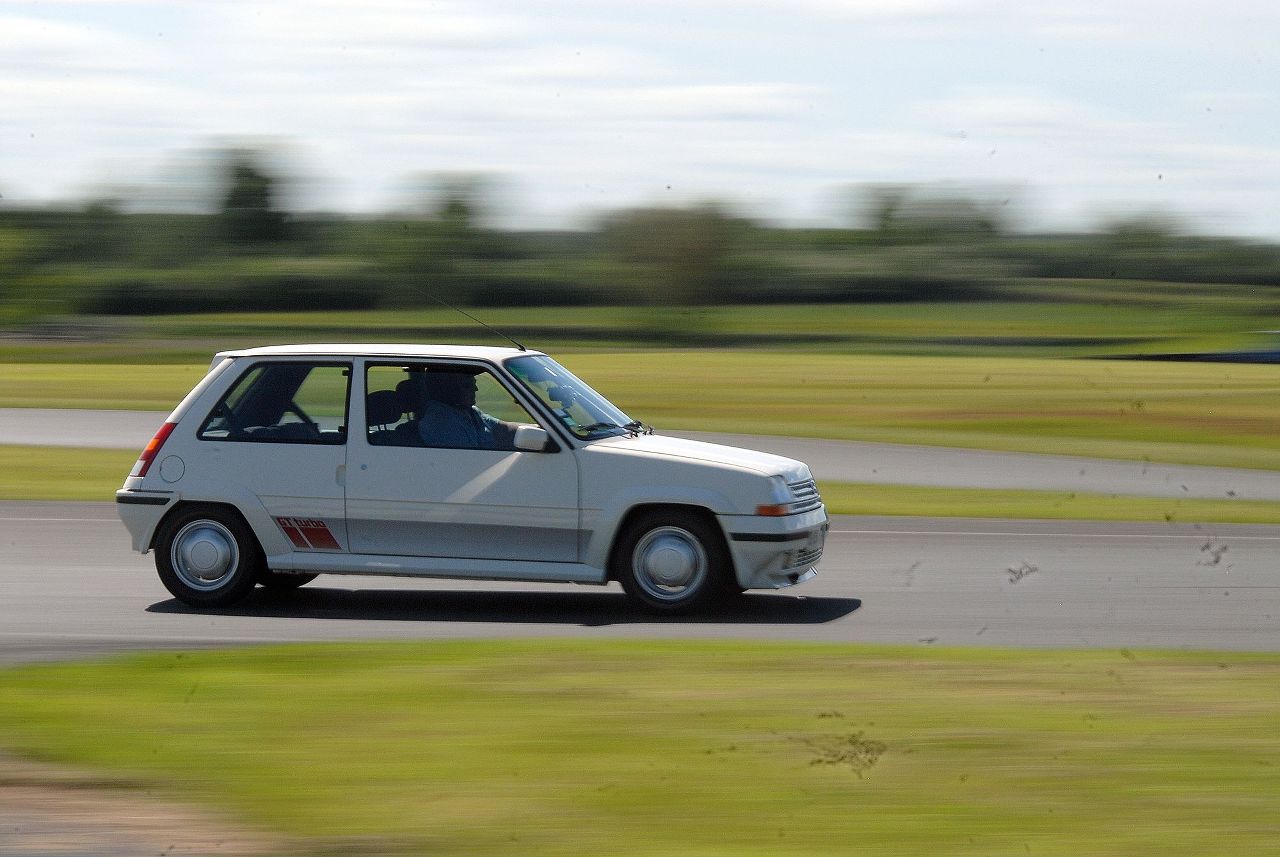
(445,405)
(390,406)
(284,403)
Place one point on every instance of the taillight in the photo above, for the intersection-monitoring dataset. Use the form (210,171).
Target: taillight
(152,450)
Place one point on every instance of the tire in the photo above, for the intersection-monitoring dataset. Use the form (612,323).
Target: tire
(208,557)
(278,581)
(671,562)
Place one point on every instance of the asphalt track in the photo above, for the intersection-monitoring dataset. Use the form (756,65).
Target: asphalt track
(71,587)
(836,461)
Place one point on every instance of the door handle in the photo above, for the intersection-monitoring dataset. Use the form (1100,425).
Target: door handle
(341,475)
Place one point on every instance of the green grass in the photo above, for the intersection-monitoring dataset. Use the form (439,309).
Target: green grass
(697,748)
(1056,318)
(119,386)
(1192,413)
(63,473)
(1160,318)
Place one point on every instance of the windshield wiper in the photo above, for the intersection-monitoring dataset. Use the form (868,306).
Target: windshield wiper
(633,428)
(597,427)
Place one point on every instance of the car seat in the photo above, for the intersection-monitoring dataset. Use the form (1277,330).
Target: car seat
(383,409)
(412,396)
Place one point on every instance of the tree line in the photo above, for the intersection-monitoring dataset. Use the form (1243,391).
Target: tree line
(902,243)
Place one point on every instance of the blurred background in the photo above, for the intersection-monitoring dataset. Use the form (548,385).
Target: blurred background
(858,220)
(212,157)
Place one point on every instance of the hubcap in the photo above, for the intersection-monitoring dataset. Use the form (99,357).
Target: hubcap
(204,555)
(669,563)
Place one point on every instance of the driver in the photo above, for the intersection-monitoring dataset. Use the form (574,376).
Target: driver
(450,417)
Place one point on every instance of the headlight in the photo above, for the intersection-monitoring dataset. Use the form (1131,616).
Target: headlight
(791,498)
(779,499)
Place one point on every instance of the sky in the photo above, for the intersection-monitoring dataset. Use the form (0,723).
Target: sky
(1078,112)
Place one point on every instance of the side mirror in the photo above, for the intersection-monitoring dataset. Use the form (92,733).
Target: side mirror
(531,439)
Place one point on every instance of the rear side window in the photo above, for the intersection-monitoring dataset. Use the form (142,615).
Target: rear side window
(284,403)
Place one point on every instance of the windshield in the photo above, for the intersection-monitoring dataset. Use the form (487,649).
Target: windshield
(579,408)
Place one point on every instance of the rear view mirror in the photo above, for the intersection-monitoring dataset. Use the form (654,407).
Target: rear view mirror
(564,395)
(531,439)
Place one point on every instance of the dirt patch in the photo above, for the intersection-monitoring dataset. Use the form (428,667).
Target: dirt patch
(856,752)
(48,810)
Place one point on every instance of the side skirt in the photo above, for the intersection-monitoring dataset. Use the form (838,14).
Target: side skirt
(448,567)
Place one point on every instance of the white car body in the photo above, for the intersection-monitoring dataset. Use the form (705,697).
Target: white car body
(551,506)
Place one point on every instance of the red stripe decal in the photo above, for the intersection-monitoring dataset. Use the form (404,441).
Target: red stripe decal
(294,534)
(320,537)
(309,534)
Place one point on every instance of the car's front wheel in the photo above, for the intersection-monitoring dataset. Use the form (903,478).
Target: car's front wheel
(207,556)
(673,562)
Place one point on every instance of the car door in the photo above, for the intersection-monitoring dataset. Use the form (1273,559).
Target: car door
(280,434)
(433,472)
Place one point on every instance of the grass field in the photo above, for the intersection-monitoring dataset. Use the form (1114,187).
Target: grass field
(697,748)
(571,748)
(1050,318)
(61,473)
(1186,413)
(1191,413)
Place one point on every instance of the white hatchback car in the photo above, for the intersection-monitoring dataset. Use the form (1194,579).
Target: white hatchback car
(462,462)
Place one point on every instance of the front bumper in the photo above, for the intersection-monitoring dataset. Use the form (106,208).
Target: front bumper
(772,553)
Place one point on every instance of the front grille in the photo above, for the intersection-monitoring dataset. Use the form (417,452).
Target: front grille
(803,557)
(804,496)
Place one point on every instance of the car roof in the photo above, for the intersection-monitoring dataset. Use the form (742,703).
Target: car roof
(481,352)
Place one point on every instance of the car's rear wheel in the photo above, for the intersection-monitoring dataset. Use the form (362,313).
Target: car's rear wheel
(207,556)
(673,561)
(279,581)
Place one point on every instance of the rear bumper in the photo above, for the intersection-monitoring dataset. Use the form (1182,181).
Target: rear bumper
(772,553)
(141,512)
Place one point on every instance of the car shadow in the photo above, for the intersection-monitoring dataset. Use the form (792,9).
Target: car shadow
(597,609)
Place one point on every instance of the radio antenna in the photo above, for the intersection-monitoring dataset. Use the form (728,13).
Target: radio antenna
(487,327)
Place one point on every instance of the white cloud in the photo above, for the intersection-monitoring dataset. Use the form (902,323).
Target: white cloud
(861,9)
(34,47)
(595,104)
(380,25)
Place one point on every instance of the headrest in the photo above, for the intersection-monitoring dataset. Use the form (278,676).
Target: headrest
(384,407)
